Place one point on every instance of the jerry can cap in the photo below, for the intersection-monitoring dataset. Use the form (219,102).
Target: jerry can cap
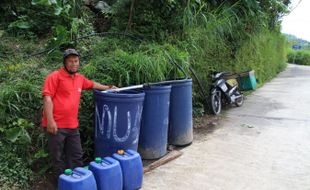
(68,172)
(121,152)
(98,160)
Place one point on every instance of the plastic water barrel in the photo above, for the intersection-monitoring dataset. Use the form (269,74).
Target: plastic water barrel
(132,169)
(247,80)
(155,117)
(78,179)
(108,173)
(117,121)
(181,113)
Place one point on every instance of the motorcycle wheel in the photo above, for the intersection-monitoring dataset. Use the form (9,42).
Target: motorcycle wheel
(216,103)
(239,101)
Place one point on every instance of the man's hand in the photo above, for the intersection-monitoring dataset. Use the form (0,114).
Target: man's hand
(99,86)
(113,87)
(52,127)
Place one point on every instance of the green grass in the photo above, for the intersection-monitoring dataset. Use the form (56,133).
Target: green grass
(265,53)
(147,63)
(214,42)
(300,57)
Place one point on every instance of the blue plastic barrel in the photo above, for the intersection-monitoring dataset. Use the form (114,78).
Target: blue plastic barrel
(155,117)
(181,113)
(117,121)
(78,179)
(108,173)
(132,169)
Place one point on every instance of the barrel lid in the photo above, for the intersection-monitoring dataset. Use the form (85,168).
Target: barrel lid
(123,96)
(120,152)
(68,172)
(98,160)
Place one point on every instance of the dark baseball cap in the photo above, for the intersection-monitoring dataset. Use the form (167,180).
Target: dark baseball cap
(70,51)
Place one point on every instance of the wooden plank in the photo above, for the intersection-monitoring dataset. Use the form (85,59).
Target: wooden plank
(164,160)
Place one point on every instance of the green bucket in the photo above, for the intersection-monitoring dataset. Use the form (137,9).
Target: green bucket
(247,81)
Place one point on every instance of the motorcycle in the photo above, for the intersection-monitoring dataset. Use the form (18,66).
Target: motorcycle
(222,92)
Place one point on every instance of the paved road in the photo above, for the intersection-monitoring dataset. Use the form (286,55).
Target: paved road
(264,145)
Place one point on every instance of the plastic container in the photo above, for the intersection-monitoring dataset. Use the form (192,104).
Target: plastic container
(132,169)
(247,81)
(108,173)
(181,113)
(155,117)
(78,179)
(117,121)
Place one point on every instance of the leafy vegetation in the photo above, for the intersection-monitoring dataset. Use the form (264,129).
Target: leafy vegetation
(300,57)
(22,142)
(122,42)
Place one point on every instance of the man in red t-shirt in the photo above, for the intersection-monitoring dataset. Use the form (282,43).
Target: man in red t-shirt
(61,98)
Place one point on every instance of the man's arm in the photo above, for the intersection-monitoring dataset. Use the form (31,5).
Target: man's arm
(99,86)
(48,110)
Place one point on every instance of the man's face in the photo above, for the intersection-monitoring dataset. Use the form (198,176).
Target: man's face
(72,63)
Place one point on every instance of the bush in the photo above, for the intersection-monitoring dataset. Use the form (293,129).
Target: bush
(22,141)
(265,53)
(14,169)
(215,44)
(300,57)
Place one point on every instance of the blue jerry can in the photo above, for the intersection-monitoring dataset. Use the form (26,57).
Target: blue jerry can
(78,179)
(132,168)
(108,173)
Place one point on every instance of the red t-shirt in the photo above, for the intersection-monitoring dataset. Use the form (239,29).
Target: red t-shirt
(65,90)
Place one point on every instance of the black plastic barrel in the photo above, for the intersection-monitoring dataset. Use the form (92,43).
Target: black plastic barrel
(181,113)
(117,121)
(155,117)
